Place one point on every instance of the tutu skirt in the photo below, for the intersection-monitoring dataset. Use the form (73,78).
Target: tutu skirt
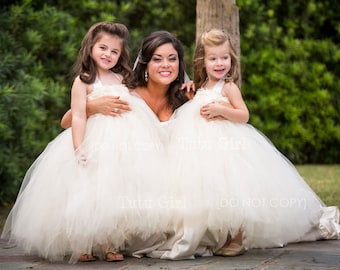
(65,208)
(229,177)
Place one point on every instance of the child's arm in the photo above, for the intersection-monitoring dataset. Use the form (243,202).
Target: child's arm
(78,107)
(104,105)
(236,111)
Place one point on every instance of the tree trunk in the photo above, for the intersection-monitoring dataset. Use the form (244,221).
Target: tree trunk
(222,14)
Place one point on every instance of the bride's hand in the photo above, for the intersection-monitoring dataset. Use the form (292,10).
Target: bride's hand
(189,88)
(107,105)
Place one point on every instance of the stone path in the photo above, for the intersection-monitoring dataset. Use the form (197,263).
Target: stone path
(320,255)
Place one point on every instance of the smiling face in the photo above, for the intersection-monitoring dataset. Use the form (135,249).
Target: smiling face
(106,51)
(217,61)
(164,65)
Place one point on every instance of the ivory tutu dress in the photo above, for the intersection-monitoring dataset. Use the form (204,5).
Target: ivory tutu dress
(66,209)
(227,177)
(149,196)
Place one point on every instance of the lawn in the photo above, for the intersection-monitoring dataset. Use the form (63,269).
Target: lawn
(323,179)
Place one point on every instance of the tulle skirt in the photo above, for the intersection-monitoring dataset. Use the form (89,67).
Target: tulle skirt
(228,177)
(65,208)
(171,197)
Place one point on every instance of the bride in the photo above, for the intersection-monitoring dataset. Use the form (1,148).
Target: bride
(196,229)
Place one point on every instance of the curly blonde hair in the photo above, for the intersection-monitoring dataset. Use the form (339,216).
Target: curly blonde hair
(213,37)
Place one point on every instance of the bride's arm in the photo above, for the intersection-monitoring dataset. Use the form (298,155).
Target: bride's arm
(107,105)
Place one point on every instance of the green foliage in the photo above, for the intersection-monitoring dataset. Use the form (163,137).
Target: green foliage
(25,126)
(290,72)
(33,93)
(39,41)
(290,76)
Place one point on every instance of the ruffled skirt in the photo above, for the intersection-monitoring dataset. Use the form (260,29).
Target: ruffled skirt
(228,177)
(65,208)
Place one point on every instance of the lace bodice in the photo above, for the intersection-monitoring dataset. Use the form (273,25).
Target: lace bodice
(99,90)
(213,93)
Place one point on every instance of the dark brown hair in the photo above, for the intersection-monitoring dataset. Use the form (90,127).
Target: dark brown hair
(85,67)
(156,39)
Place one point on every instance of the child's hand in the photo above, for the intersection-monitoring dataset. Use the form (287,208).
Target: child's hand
(81,157)
(189,87)
(213,110)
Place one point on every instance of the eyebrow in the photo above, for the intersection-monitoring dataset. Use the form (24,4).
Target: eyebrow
(216,54)
(170,55)
(104,44)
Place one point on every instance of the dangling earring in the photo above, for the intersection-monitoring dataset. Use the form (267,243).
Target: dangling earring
(146,76)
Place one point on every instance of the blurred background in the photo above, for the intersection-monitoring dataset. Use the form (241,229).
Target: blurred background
(289,63)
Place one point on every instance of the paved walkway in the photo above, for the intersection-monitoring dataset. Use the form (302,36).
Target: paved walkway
(320,255)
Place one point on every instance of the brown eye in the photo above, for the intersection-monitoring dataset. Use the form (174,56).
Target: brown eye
(173,59)
(156,59)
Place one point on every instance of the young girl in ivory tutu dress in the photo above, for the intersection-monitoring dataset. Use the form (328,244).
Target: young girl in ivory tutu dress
(89,191)
(237,190)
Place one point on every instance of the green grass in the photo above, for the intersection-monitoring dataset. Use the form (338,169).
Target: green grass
(323,179)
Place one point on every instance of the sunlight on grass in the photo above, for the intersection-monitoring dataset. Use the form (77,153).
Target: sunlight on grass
(324,180)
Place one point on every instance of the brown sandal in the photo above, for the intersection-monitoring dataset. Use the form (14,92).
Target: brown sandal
(86,258)
(112,255)
(231,250)
(233,247)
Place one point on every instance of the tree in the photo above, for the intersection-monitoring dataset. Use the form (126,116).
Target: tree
(222,14)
